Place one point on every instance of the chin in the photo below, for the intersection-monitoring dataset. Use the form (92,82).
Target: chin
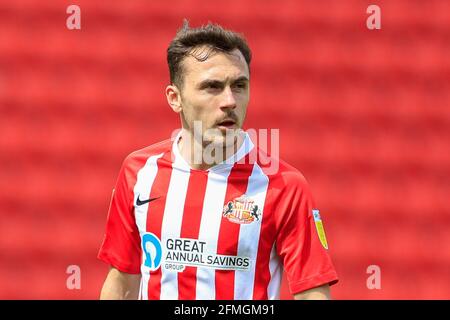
(222,139)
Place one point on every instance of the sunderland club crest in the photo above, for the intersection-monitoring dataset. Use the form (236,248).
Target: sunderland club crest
(242,210)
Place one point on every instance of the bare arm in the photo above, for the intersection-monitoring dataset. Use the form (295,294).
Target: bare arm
(120,286)
(319,293)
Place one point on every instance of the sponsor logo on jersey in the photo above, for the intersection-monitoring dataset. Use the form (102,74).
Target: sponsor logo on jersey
(242,210)
(152,249)
(319,228)
(180,253)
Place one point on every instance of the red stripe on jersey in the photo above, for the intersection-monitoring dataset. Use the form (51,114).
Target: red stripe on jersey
(268,229)
(228,240)
(155,215)
(121,247)
(190,228)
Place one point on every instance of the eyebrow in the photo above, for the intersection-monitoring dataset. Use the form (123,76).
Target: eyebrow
(207,82)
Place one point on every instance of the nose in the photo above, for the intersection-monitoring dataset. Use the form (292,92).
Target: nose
(227,100)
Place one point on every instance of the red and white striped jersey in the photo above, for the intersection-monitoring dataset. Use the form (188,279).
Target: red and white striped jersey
(222,233)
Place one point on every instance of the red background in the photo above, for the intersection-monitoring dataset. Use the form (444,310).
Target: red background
(364,114)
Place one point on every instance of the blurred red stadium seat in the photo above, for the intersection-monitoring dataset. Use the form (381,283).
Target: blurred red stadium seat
(364,115)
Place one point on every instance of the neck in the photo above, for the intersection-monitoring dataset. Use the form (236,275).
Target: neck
(204,155)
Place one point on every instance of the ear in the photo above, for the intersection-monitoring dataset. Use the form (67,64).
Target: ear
(173,96)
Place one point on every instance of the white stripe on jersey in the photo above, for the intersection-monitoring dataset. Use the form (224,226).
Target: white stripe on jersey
(144,181)
(258,183)
(273,289)
(171,227)
(216,189)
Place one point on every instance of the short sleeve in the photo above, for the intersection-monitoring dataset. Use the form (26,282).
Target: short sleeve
(121,244)
(301,242)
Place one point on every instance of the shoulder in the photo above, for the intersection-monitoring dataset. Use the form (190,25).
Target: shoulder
(281,173)
(289,190)
(137,159)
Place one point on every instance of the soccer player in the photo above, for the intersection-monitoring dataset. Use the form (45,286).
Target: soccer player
(208,214)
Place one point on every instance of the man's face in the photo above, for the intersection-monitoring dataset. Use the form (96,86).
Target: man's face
(215,92)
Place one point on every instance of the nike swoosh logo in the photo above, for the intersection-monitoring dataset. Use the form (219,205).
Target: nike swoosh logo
(140,202)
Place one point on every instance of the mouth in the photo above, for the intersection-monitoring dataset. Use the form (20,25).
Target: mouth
(227,124)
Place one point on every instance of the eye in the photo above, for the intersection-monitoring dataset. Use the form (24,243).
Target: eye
(213,86)
(241,85)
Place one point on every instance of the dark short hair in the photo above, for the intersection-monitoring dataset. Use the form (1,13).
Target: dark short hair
(213,36)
